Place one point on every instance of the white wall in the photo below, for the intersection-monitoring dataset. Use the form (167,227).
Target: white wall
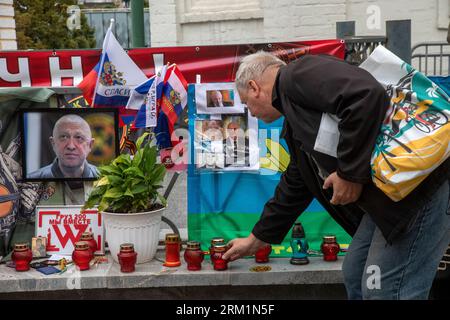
(208,22)
(7,26)
(429,18)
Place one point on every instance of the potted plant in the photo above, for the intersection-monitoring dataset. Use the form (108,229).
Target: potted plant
(127,196)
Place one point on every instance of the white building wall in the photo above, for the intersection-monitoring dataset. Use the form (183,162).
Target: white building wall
(429,18)
(7,26)
(209,22)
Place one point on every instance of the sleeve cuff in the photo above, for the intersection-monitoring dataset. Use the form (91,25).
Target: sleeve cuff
(362,180)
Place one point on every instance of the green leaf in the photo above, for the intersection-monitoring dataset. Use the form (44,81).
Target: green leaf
(102,182)
(109,170)
(142,187)
(123,159)
(162,199)
(113,193)
(128,193)
(115,180)
(103,205)
(158,174)
(150,154)
(133,171)
(137,159)
(98,190)
(140,140)
(136,180)
(91,202)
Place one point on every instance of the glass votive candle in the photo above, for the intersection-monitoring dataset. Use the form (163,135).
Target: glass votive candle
(193,255)
(262,255)
(82,255)
(127,257)
(22,256)
(173,247)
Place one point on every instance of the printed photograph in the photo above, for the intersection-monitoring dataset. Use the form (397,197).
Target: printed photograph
(209,137)
(220,98)
(236,141)
(39,247)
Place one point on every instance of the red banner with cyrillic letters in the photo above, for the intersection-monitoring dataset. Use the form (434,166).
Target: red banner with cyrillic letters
(213,63)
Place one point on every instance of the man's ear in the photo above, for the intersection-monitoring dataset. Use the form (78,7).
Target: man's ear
(253,88)
(52,141)
(91,144)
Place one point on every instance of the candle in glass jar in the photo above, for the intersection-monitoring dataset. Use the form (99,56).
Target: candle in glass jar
(127,257)
(262,255)
(219,263)
(330,248)
(89,238)
(214,241)
(82,255)
(193,255)
(173,247)
(22,256)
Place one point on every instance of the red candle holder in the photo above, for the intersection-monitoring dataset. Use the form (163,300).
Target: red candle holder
(214,241)
(262,255)
(127,257)
(330,248)
(89,238)
(22,256)
(82,255)
(173,247)
(219,263)
(193,256)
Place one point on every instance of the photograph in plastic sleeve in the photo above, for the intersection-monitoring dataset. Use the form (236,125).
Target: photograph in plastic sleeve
(208,144)
(229,144)
(218,98)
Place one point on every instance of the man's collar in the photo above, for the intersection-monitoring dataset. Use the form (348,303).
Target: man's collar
(57,173)
(276,99)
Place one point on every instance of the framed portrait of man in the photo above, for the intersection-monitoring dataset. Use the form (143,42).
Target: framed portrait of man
(68,143)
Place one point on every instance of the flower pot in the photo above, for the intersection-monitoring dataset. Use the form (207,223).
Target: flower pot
(141,229)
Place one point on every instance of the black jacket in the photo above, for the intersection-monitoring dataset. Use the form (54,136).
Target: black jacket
(303,91)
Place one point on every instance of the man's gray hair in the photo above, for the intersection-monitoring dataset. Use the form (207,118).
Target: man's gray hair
(253,66)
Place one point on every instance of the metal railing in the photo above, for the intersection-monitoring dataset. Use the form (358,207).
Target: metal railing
(357,49)
(432,58)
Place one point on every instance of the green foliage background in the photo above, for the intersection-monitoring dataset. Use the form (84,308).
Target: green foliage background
(42,24)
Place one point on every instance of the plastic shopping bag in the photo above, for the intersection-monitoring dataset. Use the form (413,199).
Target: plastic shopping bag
(415,135)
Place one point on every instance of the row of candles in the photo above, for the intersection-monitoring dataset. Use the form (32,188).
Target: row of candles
(81,256)
(193,255)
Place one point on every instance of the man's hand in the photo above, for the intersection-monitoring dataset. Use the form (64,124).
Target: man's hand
(344,192)
(241,247)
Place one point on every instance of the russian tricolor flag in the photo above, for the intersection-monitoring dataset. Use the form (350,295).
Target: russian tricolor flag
(147,99)
(110,83)
(173,102)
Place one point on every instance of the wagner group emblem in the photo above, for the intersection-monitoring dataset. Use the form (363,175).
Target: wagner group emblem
(103,132)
